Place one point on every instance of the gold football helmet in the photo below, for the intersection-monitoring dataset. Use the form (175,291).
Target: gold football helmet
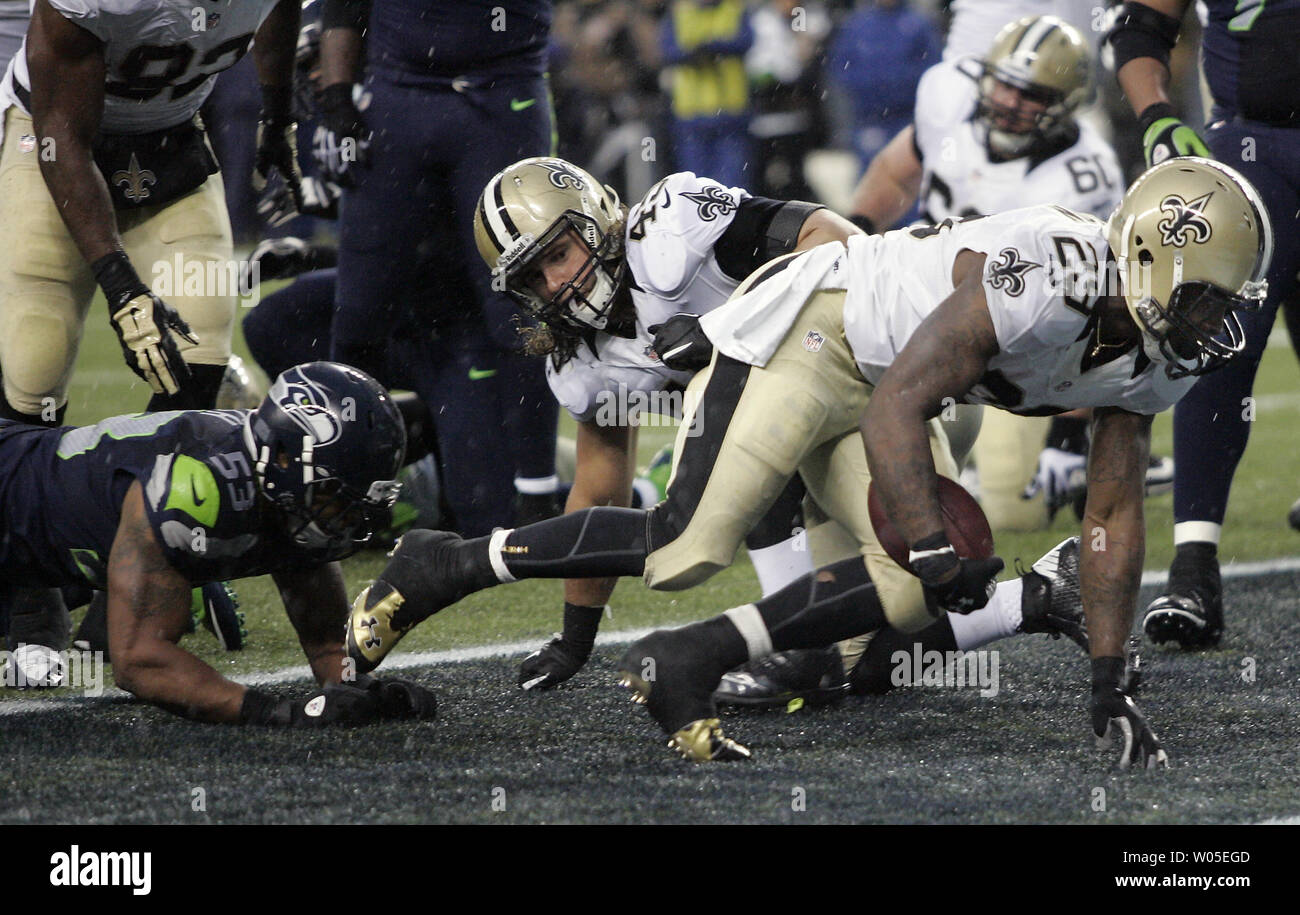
(1049,62)
(530,204)
(1192,243)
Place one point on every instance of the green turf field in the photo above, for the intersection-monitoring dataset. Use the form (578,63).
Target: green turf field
(583,754)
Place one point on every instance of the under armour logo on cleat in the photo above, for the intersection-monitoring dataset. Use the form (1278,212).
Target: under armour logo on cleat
(372,641)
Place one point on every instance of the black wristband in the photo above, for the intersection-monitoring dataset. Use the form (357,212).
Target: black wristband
(863,223)
(335,97)
(1154,112)
(580,625)
(277,104)
(115,275)
(1068,433)
(258,707)
(1106,673)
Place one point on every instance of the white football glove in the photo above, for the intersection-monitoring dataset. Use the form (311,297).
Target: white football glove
(1059,475)
(144,327)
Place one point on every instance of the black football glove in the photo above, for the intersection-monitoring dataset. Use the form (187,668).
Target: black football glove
(284,258)
(1164,136)
(341,140)
(563,656)
(319,199)
(337,704)
(952,584)
(681,343)
(1115,716)
(400,699)
(277,154)
(144,325)
(552,664)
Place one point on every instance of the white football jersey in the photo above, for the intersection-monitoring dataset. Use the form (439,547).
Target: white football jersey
(669,237)
(960,180)
(161,56)
(1041,279)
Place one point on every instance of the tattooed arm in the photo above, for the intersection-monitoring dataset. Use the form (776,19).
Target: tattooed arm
(316,600)
(148,609)
(945,357)
(1114,529)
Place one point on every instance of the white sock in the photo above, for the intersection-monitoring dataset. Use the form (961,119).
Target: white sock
(537,486)
(1197,532)
(749,623)
(495,543)
(998,619)
(782,563)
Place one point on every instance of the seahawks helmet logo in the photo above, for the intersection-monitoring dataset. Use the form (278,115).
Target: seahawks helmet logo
(306,404)
(713,202)
(1184,221)
(562,176)
(1008,271)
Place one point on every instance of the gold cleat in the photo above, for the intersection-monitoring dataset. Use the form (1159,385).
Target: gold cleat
(703,741)
(371,634)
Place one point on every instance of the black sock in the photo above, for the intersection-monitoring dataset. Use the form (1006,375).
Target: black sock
(199,394)
(592,543)
(1068,433)
(32,419)
(835,602)
(37,616)
(873,674)
(580,626)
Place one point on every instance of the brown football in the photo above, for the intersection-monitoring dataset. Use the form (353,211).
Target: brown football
(964,521)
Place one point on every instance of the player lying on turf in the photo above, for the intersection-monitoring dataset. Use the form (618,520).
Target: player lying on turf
(147,506)
(1020,311)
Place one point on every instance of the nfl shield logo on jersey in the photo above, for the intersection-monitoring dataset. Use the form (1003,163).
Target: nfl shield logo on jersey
(813,341)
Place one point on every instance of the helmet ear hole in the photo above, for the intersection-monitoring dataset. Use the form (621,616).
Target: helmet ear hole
(1145,257)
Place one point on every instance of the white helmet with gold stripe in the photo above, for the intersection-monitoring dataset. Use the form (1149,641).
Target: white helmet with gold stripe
(530,204)
(1192,242)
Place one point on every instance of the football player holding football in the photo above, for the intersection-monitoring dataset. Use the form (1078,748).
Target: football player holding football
(989,134)
(148,505)
(1038,310)
(1253,73)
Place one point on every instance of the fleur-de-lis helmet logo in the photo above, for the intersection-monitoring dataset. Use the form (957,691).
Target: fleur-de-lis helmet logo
(1184,221)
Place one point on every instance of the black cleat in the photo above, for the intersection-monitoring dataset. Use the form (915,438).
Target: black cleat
(1051,602)
(673,674)
(429,570)
(550,665)
(216,606)
(814,675)
(1293,516)
(1190,612)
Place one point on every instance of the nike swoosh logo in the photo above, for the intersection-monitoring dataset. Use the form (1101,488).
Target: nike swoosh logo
(480,374)
(518,105)
(529,684)
(674,351)
(194,489)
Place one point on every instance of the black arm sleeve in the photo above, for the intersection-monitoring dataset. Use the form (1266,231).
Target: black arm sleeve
(762,229)
(345,14)
(1141,31)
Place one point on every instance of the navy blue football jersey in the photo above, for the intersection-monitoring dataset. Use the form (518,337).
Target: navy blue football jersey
(61,493)
(414,41)
(1251,55)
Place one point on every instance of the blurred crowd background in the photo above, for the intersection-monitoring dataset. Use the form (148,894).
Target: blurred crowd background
(793,105)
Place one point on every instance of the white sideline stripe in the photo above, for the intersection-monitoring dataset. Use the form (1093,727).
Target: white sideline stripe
(1281,821)
(505,649)
(303,672)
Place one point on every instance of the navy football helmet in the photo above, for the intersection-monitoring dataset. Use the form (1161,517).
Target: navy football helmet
(327,443)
